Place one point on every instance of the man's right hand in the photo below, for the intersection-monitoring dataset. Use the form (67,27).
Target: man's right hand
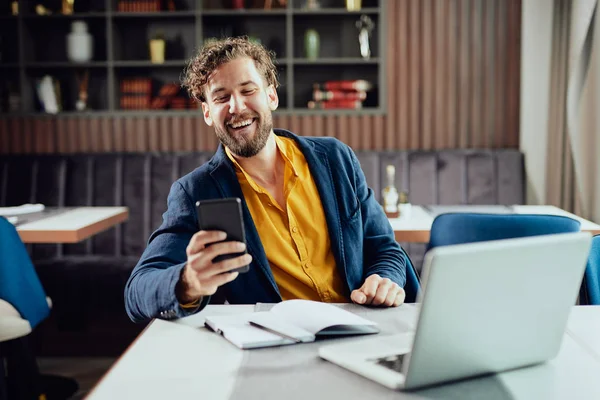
(202,277)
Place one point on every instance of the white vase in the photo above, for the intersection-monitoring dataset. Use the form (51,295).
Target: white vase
(79,43)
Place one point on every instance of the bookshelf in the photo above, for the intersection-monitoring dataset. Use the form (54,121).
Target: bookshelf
(121,51)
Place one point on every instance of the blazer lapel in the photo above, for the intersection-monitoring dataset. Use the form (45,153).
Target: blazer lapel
(223,173)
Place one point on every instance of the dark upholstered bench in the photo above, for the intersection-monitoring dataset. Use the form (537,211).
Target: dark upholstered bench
(86,280)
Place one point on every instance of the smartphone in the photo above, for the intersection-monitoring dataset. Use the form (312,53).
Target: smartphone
(223,215)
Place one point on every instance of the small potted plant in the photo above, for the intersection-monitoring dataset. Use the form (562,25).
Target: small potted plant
(157,48)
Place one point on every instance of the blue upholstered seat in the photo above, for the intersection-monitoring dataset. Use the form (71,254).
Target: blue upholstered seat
(457,228)
(590,289)
(19,283)
(412,282)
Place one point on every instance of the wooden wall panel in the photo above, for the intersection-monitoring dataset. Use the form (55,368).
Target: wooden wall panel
(415,79)
(500,72)
(28,135)
(452,81)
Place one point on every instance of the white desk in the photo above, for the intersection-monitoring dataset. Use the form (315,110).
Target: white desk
(416,226)
(73,225)
(584,326)
(180,360)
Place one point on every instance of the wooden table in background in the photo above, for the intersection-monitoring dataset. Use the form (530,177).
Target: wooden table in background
(416,226)
(72,225)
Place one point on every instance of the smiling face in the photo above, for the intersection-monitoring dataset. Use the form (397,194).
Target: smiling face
(238,105)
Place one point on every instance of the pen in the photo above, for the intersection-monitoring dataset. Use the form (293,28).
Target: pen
(275,332)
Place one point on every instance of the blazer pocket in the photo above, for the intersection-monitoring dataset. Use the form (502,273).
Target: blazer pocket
(355,210)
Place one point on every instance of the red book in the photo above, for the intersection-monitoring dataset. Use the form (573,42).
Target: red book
(165,95)
(338,95)
(333,104)
(357,84)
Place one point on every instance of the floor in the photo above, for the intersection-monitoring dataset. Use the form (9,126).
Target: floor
(87,371)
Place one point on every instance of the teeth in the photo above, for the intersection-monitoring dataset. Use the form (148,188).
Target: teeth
(241,123)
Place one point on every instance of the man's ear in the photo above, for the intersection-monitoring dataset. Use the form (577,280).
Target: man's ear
(206,112)
(272,97)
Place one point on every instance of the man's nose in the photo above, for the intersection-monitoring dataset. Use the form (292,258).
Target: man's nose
(236,104)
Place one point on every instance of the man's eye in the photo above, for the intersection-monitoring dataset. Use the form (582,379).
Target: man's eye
(249,91)
(221,99)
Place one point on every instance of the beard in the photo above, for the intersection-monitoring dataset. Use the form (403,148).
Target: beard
(244,146)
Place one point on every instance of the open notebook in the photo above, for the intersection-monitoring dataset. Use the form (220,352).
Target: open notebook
(289,322)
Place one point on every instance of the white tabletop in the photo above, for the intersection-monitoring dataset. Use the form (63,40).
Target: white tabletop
(584,326)
(415,226)
(183,360)
(73,225)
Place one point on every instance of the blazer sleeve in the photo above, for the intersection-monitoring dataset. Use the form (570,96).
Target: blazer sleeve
(382,254)
(150,290)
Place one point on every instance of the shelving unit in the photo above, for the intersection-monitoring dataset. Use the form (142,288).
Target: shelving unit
(121,51)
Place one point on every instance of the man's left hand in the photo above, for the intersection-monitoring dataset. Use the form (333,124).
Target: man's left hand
(378,291)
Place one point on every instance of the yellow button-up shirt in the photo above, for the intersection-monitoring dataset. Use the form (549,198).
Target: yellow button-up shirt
(295,236)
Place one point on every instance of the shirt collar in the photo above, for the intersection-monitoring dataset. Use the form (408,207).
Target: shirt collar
(286,152)
(285,149)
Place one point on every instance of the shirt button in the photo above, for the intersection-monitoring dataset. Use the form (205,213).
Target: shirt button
(295,229)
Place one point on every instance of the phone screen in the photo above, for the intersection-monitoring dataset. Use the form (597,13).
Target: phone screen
(223,215)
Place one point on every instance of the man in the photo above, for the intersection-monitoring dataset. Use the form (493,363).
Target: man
(313,228)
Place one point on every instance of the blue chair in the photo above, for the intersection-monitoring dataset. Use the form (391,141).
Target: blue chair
(23,305)
(412,286)
(19,283)
(457,228)
(590,289)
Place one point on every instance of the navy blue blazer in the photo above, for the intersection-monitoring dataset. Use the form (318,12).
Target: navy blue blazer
(361,237)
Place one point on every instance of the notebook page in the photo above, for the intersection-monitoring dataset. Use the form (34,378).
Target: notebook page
(315,316)
(269,320)
(238,331)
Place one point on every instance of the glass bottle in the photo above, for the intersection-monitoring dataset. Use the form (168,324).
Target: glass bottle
(390,194)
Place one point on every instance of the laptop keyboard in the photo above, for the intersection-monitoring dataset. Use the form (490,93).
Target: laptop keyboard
(393,362)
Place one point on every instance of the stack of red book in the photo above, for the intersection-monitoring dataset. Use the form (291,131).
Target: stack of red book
(179,103)
(171,96)
(349,94)
(139,5)
(136,93)
(165,96)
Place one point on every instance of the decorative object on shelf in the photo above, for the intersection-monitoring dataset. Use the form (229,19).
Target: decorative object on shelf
(14,7)
(353,5)
(82,84)
(48,91)
(157,48)
(390,194)
(311,44)
(79,43)
(311,5)
(68,6)
(365,26)
(41,10)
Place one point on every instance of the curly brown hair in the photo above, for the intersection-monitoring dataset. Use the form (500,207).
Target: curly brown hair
(217,52)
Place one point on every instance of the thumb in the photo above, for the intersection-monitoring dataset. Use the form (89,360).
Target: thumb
(358,297)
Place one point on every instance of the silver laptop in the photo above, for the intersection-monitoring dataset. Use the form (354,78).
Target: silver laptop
(486,307)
